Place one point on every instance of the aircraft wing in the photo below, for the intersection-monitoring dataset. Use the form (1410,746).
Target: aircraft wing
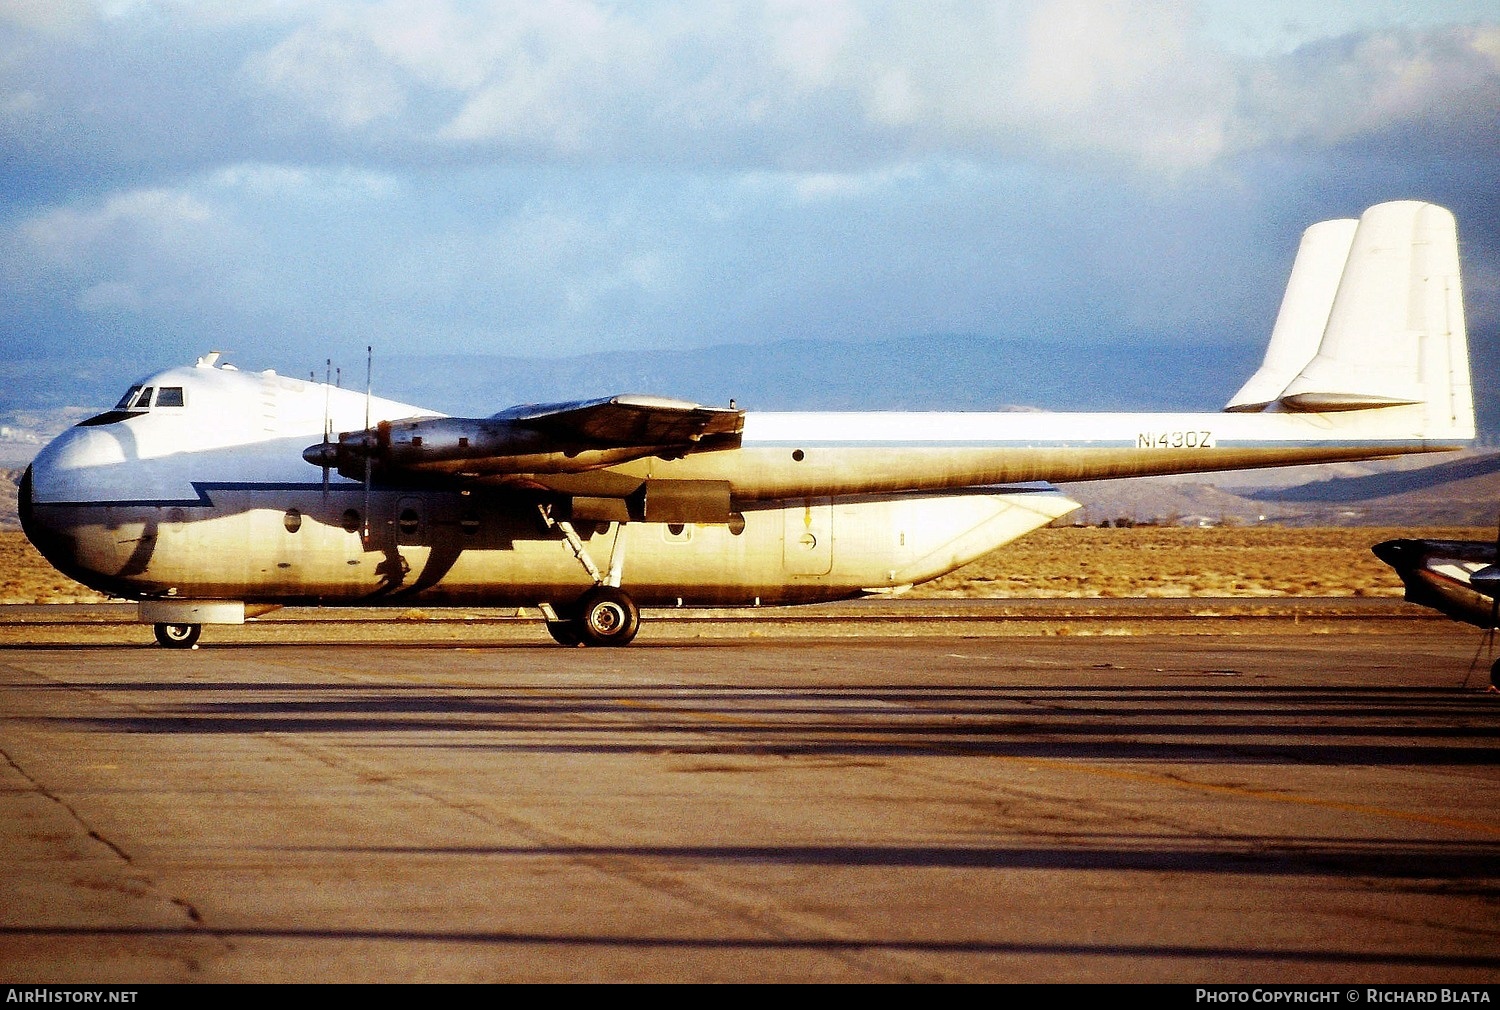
(523,442)
(631,420)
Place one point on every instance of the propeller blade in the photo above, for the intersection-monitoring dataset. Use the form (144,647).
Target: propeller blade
(327,421)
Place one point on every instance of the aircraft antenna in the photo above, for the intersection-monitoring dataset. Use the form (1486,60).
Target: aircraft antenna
(1495,601)
(369,449)
(1494,620)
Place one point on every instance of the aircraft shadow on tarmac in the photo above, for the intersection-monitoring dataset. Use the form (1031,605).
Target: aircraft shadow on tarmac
(1236,724)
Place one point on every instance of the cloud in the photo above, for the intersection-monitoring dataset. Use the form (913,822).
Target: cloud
(1439,84)
(333,73)
(48,17)
(555,177)
(123,228)
(827,87)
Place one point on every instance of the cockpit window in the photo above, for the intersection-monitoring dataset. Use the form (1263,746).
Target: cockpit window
(137,399)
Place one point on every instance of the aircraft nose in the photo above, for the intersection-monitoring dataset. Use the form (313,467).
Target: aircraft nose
(1487,581)
(50,543)
(73,466)
(81,447)
(49,519)
(23,507)
(1399,554)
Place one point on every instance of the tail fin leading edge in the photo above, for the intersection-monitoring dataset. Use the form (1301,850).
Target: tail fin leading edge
(1384,327)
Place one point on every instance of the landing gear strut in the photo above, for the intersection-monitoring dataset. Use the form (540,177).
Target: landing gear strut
(604,615)
(178,636)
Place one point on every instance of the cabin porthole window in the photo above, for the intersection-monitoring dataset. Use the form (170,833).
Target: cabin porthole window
(351,521)
(292,520)
(407,521)
(798,455)
(736,523)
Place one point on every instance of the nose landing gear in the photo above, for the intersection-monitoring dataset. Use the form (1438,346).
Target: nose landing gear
(178,636)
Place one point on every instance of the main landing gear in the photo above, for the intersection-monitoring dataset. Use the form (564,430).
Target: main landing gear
(604,615)
(178,636)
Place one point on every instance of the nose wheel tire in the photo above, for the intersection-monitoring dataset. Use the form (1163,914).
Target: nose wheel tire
(603,616)
(178,636)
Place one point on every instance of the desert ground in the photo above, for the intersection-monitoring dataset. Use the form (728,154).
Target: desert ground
(1154,561)
(1066,562)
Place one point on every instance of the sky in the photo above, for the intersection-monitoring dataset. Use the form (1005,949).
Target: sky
(290,180)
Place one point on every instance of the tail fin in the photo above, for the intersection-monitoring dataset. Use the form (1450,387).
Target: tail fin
(1379,325)
(1310,290)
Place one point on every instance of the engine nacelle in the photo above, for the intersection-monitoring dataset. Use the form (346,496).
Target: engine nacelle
(464,447)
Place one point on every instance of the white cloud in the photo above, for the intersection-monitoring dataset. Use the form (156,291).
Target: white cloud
(293,183)
(159,218)
(331,71)
(827,87)
(52,17)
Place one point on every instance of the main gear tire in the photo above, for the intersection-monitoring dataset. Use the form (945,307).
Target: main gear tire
(606,616)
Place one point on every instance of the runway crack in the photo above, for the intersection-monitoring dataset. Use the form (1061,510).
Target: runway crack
(77,818)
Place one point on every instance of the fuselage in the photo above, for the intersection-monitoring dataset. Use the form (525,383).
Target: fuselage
(199,489)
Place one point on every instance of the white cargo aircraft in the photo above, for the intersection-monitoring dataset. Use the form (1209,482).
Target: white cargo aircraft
(199,494)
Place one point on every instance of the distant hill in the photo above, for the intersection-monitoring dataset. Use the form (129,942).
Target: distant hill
(1459,490)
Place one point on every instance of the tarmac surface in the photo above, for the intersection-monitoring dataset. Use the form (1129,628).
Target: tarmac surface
(913,804)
